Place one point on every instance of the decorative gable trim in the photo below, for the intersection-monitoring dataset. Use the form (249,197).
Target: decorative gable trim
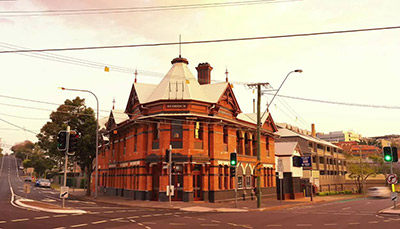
(229,97)
(132,101)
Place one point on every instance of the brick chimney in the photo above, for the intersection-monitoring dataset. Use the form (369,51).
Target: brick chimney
(204,73)
(313,133)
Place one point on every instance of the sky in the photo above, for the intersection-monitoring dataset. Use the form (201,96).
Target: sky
(360,68)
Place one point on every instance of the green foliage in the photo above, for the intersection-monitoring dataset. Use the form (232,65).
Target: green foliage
(360,171)
(23,150)
(80,118)
(330,193)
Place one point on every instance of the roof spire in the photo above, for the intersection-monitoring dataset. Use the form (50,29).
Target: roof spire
(136,73)
(113,103)
(180,45)
(226,73)
(180,59)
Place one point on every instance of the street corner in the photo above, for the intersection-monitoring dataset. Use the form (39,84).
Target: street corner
(389,211)
(45,207)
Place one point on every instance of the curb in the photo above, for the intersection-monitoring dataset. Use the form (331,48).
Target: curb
(65,211)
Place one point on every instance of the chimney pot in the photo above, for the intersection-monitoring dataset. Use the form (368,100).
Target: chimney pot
(204,73)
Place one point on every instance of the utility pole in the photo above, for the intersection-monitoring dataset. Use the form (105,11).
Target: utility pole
(258,86)
(170,175)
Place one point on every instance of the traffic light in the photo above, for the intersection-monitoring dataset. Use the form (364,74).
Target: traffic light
(233,160)
(387,154)
(167,153)
(73,140)
(394,154)
(62,140)
(232,171)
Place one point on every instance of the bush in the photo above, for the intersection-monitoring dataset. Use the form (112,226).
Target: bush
(334,193)
(83,183)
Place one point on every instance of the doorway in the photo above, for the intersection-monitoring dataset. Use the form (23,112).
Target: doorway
(197,183)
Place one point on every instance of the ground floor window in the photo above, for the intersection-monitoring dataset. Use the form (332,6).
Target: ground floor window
(240,181)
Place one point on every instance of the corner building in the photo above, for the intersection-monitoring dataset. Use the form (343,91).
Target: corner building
(203,123)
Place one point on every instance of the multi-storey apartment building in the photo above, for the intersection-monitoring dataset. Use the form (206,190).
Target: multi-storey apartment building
(202,123)
(328,168)
(339,136)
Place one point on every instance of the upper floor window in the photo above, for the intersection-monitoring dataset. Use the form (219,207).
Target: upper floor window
(198,130)
(156,131)
(176,130)
(225,134)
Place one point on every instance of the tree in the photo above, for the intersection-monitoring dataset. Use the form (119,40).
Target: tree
(80,118)
(23,150)
(361,171)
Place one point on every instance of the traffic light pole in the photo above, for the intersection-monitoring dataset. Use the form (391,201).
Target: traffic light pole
(66,162)
(170,175)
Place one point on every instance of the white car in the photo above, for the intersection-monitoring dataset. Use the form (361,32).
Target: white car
(379,192)
(43,183)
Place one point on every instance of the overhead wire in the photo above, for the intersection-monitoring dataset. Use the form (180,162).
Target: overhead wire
(201,41)
(68,12)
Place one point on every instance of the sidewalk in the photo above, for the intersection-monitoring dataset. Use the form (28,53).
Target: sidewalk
(201,206)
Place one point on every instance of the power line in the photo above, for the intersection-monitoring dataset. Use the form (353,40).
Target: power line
(133,9)
(14,116)
(200,42)
(22,128)
(338,103)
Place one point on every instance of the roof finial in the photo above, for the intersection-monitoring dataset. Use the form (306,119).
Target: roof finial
(113,103)
(180,44)
(226,73)
(136,73)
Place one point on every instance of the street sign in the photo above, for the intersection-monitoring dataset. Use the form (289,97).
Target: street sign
(257,169)
(64,192)
(393,196)
(280,165)
(170,190)
(391,179)
(27,188)
(306,161)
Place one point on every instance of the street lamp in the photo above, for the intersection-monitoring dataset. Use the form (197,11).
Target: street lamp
(97,136)
(259,117)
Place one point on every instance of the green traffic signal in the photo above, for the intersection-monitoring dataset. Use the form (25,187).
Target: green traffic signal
(387,154)
(233,157)
(388,158)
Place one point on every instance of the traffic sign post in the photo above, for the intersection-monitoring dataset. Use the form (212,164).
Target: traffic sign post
(64,192)
(391,179)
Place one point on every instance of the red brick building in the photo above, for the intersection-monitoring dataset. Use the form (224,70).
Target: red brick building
(202,122)
(355,149)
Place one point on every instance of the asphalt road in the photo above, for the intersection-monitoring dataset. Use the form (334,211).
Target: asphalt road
(355,213)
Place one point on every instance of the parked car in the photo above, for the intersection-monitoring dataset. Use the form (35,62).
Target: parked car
(379,192)
(28,179)
(43,183)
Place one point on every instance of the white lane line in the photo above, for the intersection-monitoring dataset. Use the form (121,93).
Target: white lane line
(209,225)
(59,228)
(19,220)
(133,217)
(3,221)
(116,219)
(76,214)
(42,217)
(373,222)
(201,219)
(108,212)
(177,224)
(188,217)
(132,210)
(79,225)
(167,213)
(121,211)
(157,214)
(215,221)
(144,216)
(57,216)
(94,213)
(330,224)
(304,225)
(346,208)
(356,223)
(339,213)
(98,222)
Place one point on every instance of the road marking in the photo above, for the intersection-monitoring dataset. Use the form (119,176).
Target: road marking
(177,224)
(121,211)
(19,220)
(232,224)
(3,221)
(387,220)
(364,214)
(108,212)
(42,217)
(59,228)
(57,216)
(116,219)
(215,221)
(339,213)
(79,225)
(167,213)
(188,217)
(274,225)
(132,210)
(93,213)
(209,225)
(373,222)
(201,219)
(346,208)
(133,217)
(101,221)
(356,223)
(76,214)
(144,216)
(330,224)
(157,214)
(149,222)
(304,225)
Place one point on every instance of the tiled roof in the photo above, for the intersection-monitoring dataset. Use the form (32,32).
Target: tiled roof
(285,148)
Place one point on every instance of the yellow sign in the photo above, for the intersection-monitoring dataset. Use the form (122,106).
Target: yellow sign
(27,188)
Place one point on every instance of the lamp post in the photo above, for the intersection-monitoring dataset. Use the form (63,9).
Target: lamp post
(259,117)
(97,137)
